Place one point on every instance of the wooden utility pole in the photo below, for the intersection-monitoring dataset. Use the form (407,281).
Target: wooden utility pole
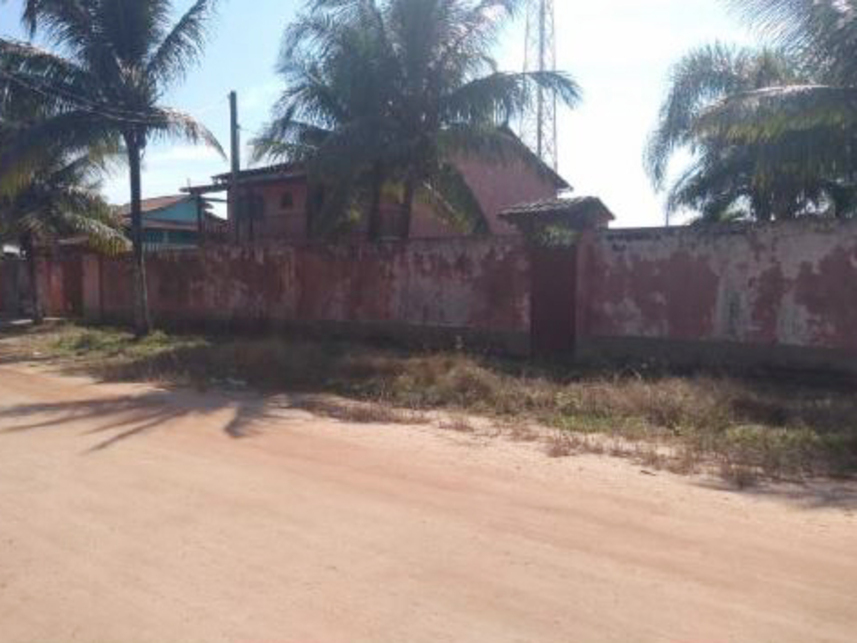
(235,130)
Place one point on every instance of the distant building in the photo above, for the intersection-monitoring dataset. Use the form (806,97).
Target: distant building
(174,221)
(272,202)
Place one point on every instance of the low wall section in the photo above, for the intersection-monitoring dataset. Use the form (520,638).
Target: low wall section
(468,287)
(784,293)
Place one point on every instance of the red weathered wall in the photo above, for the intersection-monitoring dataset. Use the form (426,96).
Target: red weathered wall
(12,279)
(278,222)
(784,293)
(784,285)
(60,286)
(502,186)
(468,284)
(15,293)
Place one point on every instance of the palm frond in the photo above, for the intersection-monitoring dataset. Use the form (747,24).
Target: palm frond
(489,143)
(822,32)
(63,21)
(453,201)
(702,78)
(767,114)
(71,132)
(288,140)
(183,45)
(42,78)
(171,123)
(60,199)
(502,96)
(406,86)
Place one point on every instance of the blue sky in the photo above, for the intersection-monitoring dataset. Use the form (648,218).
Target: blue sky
(620,51)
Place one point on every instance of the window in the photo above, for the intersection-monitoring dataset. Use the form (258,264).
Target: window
(287,202)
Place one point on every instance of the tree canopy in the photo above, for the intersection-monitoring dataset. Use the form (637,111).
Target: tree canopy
(101,84)
(771,131)
(383,96)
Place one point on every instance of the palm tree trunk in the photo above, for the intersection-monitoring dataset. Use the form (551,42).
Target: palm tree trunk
(29,248)
(408,207)
(142,320)
(762,207)
(375,205)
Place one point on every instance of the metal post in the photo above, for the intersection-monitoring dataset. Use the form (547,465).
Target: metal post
(542,52)
(235,130)
(539,127)
(200,220)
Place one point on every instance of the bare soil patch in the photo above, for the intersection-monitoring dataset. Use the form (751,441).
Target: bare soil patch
(765,426)
(142,513)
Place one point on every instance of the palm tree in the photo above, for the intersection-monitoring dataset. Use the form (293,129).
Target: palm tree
(333,116)
(113,62)
(385,95)
(730,180)
(819,114)
(59,199)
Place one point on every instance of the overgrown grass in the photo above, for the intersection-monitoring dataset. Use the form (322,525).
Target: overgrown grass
(784,428)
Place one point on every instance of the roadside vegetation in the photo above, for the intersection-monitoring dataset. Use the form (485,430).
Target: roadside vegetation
(771,129)
(89,86)
(383,98)
(774,426)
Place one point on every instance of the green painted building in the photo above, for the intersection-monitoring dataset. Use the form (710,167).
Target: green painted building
(173,222)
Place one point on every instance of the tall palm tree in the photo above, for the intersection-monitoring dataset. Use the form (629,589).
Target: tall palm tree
(730,179)
(60,198)
(112,64)
(386,94)
(821,113)
(333,115)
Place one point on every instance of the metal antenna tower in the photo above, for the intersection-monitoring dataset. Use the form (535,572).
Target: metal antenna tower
(539,126)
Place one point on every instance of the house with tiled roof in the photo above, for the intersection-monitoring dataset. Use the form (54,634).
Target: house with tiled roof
(177,221)
(273,203)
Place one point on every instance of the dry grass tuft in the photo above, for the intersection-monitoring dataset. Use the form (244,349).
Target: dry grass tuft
(518,432)
(776,427)
(361,412)
(562,445)
(739,475)
(459,424)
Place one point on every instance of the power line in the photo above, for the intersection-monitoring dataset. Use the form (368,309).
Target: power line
(119,115)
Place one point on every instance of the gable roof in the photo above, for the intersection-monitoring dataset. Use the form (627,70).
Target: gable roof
(281,171)
(155,214)
(278,170)
(152,206)
(575,213)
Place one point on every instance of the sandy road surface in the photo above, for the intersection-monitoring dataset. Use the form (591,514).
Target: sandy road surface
(133,514)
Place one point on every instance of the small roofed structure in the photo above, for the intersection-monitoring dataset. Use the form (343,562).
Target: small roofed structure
(573,214)
(174,221)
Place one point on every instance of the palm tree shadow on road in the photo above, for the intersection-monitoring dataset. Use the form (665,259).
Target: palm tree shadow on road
(119,419)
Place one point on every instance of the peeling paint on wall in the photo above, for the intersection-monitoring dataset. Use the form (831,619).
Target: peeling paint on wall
(772,289)
(787,285)
(456,283)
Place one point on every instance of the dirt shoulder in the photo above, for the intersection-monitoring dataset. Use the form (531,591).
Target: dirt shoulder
(746,427)
(140,513)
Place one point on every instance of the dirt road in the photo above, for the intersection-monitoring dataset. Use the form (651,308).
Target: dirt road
(129,513)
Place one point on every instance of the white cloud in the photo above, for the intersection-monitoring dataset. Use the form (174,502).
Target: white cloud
(183,154)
